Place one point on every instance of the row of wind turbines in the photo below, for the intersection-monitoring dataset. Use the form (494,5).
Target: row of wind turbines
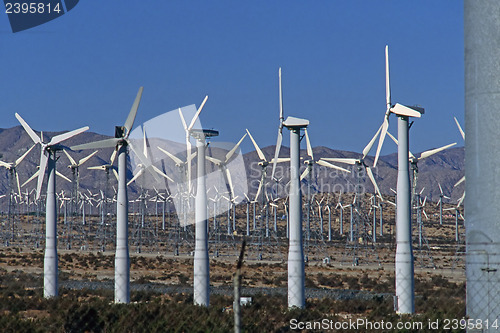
(123,144)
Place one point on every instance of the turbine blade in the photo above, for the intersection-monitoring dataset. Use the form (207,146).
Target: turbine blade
(43,165)
(372,178)
(461,200)
(305,173)
(460,128)
(460,181)
(145,146)
(281,97)
(116,174)
(369,146)
(146,162)
(308,143)
(281,159)
(213,160)
(85,159)
(161,173)
(140,172)
(31,178)
(61,137)
(188,161)
(232,151)
(396,142)
(183,120)
(332,166)
(230,182)
(435,151)
(385,126)
(257,149)
(19,160)
(390,202)
(392,137)
(63,176)
(277,152)
(129,123)
(17,182)
(27,128)
(258,191)
(113,156)
(387,79)
(351,161)
(98,167)
(106,143)
(173,157)
(197,114)
(440,189)
(71,160)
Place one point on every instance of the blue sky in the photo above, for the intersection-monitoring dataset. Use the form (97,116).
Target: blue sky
(85,67)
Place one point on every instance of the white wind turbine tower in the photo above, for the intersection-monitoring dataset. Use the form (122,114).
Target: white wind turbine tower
(48,162)
(405,292)
(121,143)
(296,272)
(201,279)
(309,170)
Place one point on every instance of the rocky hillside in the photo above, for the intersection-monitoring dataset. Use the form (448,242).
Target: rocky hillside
(445,168)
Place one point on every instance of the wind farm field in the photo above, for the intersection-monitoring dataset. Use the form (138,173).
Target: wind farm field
(344,280)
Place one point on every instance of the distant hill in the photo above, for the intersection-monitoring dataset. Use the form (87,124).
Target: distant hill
(446,168)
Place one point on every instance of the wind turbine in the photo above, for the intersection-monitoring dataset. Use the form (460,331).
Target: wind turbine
(108,166)
(309,171)
(414,161)
(75,170)
(143,167)
(404,266)
(398,109)
(14,177)
(121,143)
(201,279)
(12,167)
(440,203)
(264,163)
(341,217)
(223,165)
(48,162)
(360,163)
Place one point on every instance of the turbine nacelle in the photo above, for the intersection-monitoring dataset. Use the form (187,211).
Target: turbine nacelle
(293,122)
